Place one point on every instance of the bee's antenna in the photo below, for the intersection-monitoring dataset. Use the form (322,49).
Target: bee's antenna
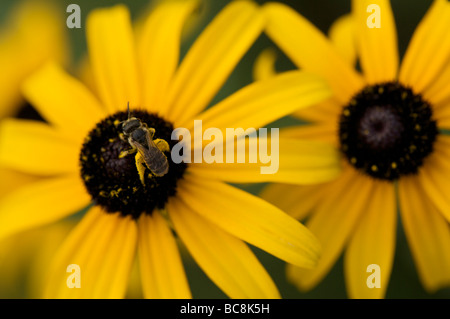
(128,106)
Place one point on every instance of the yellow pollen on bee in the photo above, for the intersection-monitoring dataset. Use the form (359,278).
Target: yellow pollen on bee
(346,112)
(353,160)
(380,90)
(394,165)
(374,168)
(140,165)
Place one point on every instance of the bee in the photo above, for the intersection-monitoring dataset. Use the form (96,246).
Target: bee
(150,151)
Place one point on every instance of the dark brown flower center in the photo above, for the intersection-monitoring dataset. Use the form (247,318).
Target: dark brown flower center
(386,131)
(113,180)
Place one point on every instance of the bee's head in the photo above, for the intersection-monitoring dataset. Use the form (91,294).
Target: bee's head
(130,125)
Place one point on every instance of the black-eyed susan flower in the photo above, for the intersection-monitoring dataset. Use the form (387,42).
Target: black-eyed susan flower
(387,123)
(81,155)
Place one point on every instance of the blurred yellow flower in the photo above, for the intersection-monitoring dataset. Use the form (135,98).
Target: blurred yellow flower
(211,218)
(24,258)
(386,124)
(31,36)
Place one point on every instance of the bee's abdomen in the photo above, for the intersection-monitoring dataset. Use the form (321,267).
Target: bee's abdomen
(158,164)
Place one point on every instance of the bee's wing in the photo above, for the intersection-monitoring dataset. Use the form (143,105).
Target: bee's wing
(141,148)
(148,153)
(150,142)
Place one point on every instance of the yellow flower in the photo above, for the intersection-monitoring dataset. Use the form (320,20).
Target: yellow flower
(132,211)
(386,124)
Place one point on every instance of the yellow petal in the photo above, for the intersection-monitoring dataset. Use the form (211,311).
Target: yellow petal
(162,271)
(134,289)
(103,246)
(13,179)
(266,101)
(377,47)
(321,132)
(438,92)
(41,202)
(22,51)
(62,100)
(264,67)
(429,49)
(212,58)
(333,221)
(189,25)
(297,162)
(435,175)
(297,201)
(326,111)
(113,57)
(159,48)
(26,255)
(83,72)
(36,148)
(428,235)
(442,115)
(342,35)
(46,245)
(310,50)
(251,219)
(373,243)
(226,260)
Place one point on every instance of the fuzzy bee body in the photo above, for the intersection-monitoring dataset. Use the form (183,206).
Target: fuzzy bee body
(153,157)
(140,137)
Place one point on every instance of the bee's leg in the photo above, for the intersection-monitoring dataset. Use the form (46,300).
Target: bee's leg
(162,145)
(127,152)
(122,137)
(151,130)
(140,165)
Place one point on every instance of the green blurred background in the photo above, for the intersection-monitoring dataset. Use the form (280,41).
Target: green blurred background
(404,282)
